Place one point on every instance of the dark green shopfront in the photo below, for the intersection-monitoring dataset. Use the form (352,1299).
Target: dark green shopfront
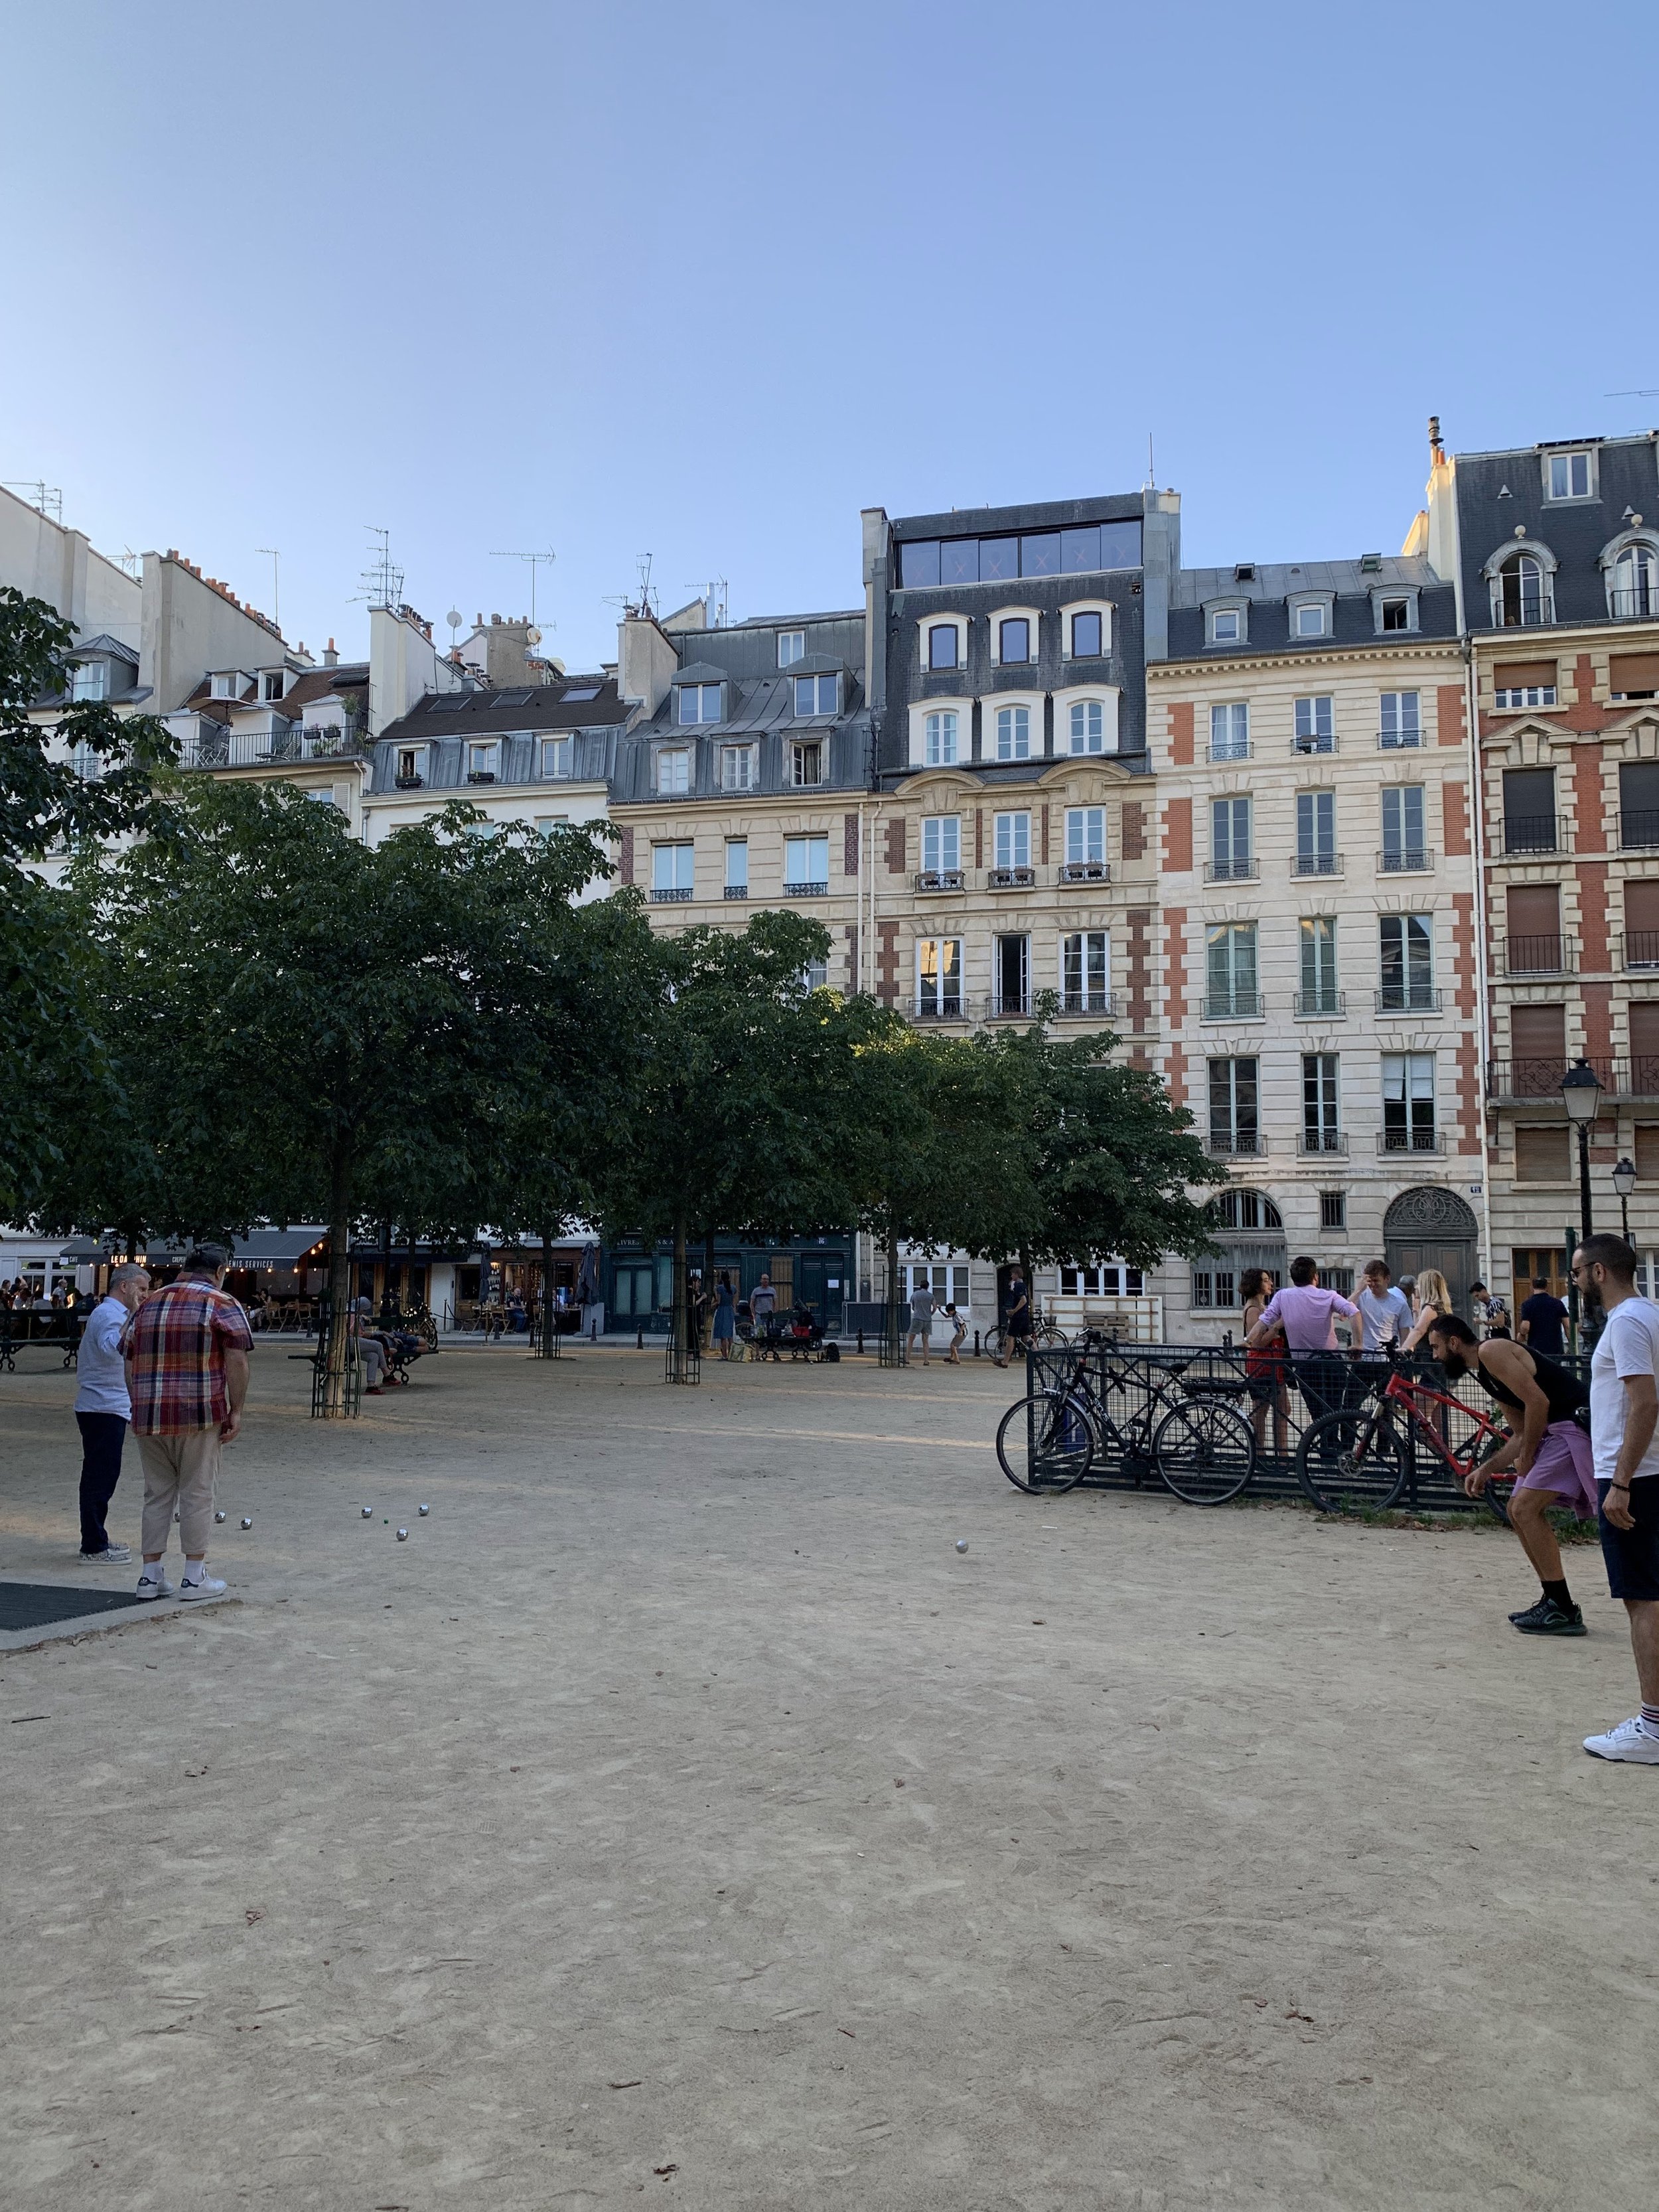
(639,1277)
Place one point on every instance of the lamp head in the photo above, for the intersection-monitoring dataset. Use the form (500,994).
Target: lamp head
(1580,1093)
(1624,1177)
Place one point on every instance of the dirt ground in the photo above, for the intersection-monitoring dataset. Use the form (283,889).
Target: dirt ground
(678,1814)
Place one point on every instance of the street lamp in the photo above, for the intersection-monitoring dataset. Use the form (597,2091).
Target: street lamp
(1624,1181)
(1581,1094)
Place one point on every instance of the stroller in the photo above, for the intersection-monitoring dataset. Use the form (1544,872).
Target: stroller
(802,1335)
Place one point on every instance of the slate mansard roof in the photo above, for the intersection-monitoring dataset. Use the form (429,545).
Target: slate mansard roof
(587,709)
(1267,588)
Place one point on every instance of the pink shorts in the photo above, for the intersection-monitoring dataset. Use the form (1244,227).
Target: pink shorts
(1566,1467)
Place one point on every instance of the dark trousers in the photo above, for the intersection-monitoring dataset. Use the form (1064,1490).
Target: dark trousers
(102,1436)
(1322,1378)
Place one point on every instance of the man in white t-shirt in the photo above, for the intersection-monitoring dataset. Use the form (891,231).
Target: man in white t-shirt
(103,1409)
(1624,1414)
(1385,1314)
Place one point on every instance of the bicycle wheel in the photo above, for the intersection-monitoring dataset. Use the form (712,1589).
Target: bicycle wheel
(1347,1465)
(1045,1442)
(1205,1453)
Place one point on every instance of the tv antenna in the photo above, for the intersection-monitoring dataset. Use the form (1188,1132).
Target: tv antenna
(46,499)
(276,584)
(1642,391)
(535,561)
(383,583)
(641,602)
(1151,474)
(717,591)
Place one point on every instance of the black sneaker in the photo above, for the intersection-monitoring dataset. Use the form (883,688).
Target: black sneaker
(1548,1619)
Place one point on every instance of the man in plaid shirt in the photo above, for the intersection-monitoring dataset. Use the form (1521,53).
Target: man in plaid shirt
(186,1353)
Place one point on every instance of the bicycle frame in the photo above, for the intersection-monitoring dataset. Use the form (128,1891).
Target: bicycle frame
(1415,1396)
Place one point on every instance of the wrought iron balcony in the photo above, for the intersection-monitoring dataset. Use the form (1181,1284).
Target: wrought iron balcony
(737,891)
(1418,1140)
(941,1006)
(669,893)
(939,879)
(1535,955)
(1536,1079)
(1084,872)
(1329,743)
(1314,1143)
(1235,1006)
(1638,829)
(1101,1006)
(1240,870)
(805,890)
(1407,861)
(1534,832)
(1009,1006)
(1398,741)
(214,746)
(1632,602)
(1231,749)
(1408,998)
(1638,949)
(1316,864)
(1010,879)
(1235,1144)
(1320,1005)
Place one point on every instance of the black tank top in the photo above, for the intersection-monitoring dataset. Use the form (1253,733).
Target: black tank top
(1565,1392)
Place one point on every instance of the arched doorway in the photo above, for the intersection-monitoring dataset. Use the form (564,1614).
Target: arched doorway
(1431,1227)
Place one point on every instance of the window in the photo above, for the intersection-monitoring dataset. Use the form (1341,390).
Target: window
(815,975)
(1086,549)
(1088,725)
(547,824)
(999,560)
(1406,954)
(1013,640)
(674,770)
(89,679)
(737,867)
(1112,1281)
(1215,1287)
(1332,1209)
(1521,593)
(939,977)
(1316,833)
(1402,719)
(672,871)
(1084,972)
(1634,676)
(1233,1126)
(1569,476)
(792,647)
(1247,1209)
(1231,858)
(807,864)
(941,842)
(1635,588)
(1322,1125)
(1408,1102)
(1013,841)
(1230,732)
(947,1280)
(555,756)
(409,763)
(1642,921)
(1403,845)
(1226,625)
(736,768)
(1639,806)
(1543,1155)
(943,650)
(1230,972)
(1529,810)
(224,685)
(1086,642)
(481,763)
(700,702)
(805,764)
(1085,833)
(1316,726)
(1538,1050)
(941,739)
(815,695)
(1532,943)
(1394,614)
(1013,733)
(578,693)
(1309,620)
(1012,970)
(1318,968)
(272,684)
(1522,694)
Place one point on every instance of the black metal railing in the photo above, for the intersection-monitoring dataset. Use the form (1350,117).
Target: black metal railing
(1315,1141)
(1239,870)
(1324,1005)
(1327,743)
(939,879)
(1078,1003)
(1235,1005)
(737,891)
(1405,860)
(1084,872)
(1536,1079)
(1418,1137)
(806,890)
(1638,948)
(1535,955)
(1316,864)
(1630,602)
(1534,832)
(1638,829)
(1408,998)
(1010,879)
(1235,1144)
(669,893)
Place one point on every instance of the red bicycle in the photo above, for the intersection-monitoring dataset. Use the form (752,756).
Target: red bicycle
(1358,1459)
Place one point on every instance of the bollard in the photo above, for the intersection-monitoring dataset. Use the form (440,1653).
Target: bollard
(638,1342)
(977,1344)
(860,1344)
(594,1333)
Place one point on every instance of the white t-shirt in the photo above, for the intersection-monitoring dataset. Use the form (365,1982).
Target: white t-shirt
(101,1373)
(1386,1316)
(1629,1345)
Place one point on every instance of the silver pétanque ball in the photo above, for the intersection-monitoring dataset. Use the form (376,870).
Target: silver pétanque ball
(368,1512)
(962,1543)
(425,1510)
(218,1516)
(247,1523)
(403,1535)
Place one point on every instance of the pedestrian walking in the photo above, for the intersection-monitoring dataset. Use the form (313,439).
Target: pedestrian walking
(725,1316)
(103,1409)
(1016,1318)
(1543,1321)
(186,1351)
(921,1320)
(1624,1411)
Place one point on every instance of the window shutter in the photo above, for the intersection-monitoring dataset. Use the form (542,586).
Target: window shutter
(1540,1156)
(1644,1029)
(1635,671)
(1522,675)
(1539,1033)
(1534,910)
(1647,1149)
(1642,904)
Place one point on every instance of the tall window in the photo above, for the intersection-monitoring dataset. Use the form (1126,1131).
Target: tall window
(792,647)
(481,760)
(736,768)
(672,871)
(89,679)
(1085,833)
(805,863)
(1635,581)
(1231,853)
(1316,726)
(1086,637)
(1402,719)
(737,867)
(815,695)
(942,650)
(1316,833)
(1013,733)
(1013,640)
(555,756)
(1521,593)
(1012,973)
(1569,476)
(941,739)
(674,770)
(1408,1102)
(1529,810)
(1405,949)
(1083,972)
(1230,971)
(1233,1102)
(1318,969)
(1404,846)
(1322,1124)
(1013,841)
(700,702)
(806,764)
(941,841)
(939,977)
(1310,621)
(1229,731)
(1088,725)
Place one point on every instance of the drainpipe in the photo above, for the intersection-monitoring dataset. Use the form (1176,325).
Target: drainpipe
(1482,991)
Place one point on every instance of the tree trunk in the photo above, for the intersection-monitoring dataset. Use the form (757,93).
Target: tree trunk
(679,1318)
(708,1320)
(550,1319)
(892,1339)
(337,1352)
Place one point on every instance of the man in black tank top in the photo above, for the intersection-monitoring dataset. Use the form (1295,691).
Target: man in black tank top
(1547,1448)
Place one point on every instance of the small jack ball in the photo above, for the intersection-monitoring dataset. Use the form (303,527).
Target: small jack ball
(247,1523)
(368,1512)
(403,1535)
(962,1543)
(218,1516)
(425,1510)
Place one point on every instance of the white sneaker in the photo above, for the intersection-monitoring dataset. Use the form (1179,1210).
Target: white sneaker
(205,1586)
(112,1555)
(153,1583)
(1631,1740)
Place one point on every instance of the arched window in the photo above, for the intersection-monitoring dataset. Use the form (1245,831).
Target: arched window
(941,735)
(1013,733)
(1635,587)
(1521,593)
(1248,1209)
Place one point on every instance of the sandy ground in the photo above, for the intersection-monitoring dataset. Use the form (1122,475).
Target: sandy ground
(678,1814)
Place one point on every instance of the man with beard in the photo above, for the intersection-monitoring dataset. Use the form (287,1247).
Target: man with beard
(1549,1451)
(1624,1410)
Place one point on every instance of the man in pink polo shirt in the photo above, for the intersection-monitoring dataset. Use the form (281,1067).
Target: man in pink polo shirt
(1307,1317)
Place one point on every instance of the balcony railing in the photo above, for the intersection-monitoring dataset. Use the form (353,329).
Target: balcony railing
(1407,861)
(1320,1005)
(806,890)
(1010,879)
(1398,741)
(1638,948)
(1327,743)
(737,891)
(1523,610)
(1534,832)
(1418,1140)
(1084,872)
(669,893)
(1408,998)
(939,879)
(1235,1144)
(1239,870)
(1535,1080)
(1008,1006)
(1231,749)
(409,782)
(1315,1142)
(1235,1005)
(1535,955)
(1080,1005)
(213,747)
(1633,602)
(1638,829)
(1316,864)
(943,1006)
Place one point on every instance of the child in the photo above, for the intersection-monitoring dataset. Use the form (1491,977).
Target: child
(958,1332)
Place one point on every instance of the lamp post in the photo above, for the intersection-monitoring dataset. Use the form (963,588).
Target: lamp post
(1624,1181)
(1581,1094)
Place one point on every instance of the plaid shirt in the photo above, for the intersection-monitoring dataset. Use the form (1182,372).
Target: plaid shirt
(177,1342)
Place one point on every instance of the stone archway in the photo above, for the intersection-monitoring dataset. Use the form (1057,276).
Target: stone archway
(1431,1227)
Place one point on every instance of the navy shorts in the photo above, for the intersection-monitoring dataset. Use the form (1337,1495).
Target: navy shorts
(1633,1554)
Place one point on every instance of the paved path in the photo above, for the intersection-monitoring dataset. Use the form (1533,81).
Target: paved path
(677,1815)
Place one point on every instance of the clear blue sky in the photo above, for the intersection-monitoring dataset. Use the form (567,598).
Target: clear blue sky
(704,281)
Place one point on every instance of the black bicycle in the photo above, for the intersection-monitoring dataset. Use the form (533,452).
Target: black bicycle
(1202,1447)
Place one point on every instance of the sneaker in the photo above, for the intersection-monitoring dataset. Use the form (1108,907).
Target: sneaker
(153,1583)
(205,1586)
(1630,1741)
(1548,1619)
(112,1555)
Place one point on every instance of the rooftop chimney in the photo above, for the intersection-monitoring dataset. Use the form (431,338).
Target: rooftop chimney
(330,658)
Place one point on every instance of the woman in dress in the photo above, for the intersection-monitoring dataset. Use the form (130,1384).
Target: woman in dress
(726,1317)
(1265,1369)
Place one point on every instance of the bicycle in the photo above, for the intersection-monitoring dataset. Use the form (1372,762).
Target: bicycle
(1202,1450)
(1044,1332)
(1362,1453)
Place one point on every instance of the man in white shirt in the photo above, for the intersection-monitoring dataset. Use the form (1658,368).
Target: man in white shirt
(103,1409)
(921,1320)
(1385,1314)
(1624,1413)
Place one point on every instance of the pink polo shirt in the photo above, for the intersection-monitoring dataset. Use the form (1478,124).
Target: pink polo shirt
(1307,1316)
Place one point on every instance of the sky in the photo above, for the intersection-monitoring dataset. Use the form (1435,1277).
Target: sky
(702,283)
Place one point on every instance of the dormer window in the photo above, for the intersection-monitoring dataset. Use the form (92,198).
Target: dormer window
(792,647)
(1086,637)
(1520,593)
(943,647)
(1569,476)
(1393,613)
(674,767)
(555,756)
(1311,618)
(410,767)
(805,764)
(481,762)
(1634,587)
(224,685)
(815,695)
(273,684)
(89,680)
(700,702)
(1225,625)
(1013,641)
